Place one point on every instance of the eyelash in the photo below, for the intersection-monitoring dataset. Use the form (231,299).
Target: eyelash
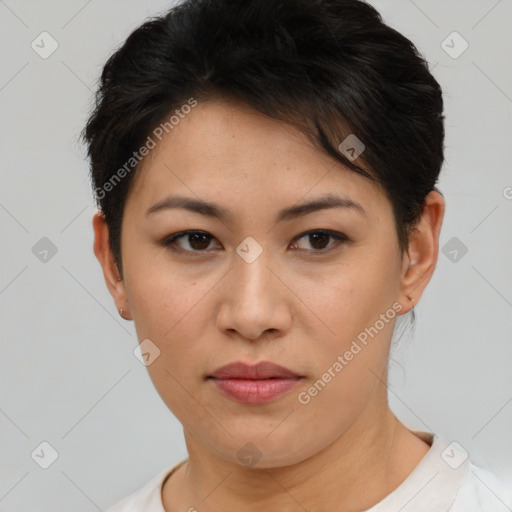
(169,242)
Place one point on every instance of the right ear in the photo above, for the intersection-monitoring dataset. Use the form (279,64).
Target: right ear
(103,253)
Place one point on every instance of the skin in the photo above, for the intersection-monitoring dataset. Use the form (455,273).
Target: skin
(344,450)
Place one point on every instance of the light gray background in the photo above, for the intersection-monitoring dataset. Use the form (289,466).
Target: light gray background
(68,375)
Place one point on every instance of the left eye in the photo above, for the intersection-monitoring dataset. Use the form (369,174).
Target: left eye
(319,238)
(200,240)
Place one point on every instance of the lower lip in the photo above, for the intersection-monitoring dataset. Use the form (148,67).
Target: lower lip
(255,391)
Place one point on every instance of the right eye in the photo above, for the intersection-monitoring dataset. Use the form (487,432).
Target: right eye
(198,241)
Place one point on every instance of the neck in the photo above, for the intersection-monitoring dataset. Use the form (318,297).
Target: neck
(361,467)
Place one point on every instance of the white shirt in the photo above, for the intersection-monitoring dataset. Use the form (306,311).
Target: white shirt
(445,480)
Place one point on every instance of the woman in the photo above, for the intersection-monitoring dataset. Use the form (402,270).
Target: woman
(266,175)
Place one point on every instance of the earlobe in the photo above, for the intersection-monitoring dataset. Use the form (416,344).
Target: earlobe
(423,249)
(111,274)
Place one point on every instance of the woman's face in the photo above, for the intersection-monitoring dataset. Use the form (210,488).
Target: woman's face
(256,287)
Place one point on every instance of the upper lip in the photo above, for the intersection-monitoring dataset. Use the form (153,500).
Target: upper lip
(261,370)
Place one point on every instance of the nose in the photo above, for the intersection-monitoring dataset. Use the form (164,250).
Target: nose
(254,299)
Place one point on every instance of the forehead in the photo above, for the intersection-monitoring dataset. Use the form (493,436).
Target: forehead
(226,149)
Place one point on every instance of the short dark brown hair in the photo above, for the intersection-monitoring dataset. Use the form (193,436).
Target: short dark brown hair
(329,67)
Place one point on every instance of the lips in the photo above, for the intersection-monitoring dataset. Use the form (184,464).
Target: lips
(259,371)
(254,384)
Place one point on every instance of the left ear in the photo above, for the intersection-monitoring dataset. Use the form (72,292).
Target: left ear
(421,258)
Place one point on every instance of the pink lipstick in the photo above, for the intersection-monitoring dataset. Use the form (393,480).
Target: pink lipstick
(254,384)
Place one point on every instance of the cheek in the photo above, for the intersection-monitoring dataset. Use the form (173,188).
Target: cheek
(166,301)
(356,309)
(172,314)
(173,310)
(352,299)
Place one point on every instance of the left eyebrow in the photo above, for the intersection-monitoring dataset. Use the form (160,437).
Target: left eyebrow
(321,203)
(213,210)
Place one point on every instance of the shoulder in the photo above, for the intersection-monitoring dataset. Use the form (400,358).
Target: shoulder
(446,480)
(482,491)
(147,497)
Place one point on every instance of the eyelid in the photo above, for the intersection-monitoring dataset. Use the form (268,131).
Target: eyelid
(334,234)
(169,241)
(340,237)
